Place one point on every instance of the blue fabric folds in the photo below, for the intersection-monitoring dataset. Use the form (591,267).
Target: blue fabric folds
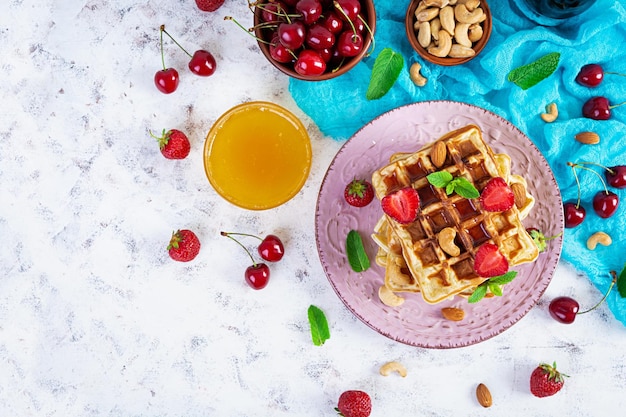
(339,107)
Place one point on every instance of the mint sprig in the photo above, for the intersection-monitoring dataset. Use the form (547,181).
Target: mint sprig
(320,332)
(621,283)
(460,185)
(385,72)
(357,257)
(531,74)
(493,284)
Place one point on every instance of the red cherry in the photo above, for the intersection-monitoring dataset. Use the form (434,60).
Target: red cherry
(292,35)
(332,21)
(271,248)
(605,203)
(597,108)
(574,214)
(564,309)
(616,176)
(359,24)
(311,10)
(273,12)
(166,80)
(348,9)
(257,276)
(202,63)
(279,53)
(310,62)
(590,75)
(349,44)
(318,37)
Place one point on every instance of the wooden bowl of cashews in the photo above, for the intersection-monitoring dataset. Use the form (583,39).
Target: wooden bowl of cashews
(448,32)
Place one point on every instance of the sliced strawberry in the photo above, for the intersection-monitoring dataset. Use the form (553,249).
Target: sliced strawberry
(402,205)
(497,195)
(489,262)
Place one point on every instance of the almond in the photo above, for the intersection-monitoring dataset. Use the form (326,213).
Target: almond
(588,138)
(438,154)
(452,313)
(519,192)
(483,395)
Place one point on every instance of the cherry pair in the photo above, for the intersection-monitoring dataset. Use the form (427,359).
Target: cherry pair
(565,309)
(202,63)
(604,202)
(270,249)
(597,108)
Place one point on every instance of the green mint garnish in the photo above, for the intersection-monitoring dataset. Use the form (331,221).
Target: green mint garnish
(621,283)
(494,285)
(356,252)
(319,325)
(385,72)
(528,75)
(460,185)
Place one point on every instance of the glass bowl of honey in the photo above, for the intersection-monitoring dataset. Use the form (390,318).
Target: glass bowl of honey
(257,155)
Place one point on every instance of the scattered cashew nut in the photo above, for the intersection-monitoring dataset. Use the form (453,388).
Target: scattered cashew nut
(389,298)
(416,76)
(446,241)
(552,112)
(598,238)
(393,366)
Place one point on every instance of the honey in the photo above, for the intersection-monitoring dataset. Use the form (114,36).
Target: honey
(257,155)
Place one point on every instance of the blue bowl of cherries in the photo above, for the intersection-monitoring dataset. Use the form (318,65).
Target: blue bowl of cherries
(314,40)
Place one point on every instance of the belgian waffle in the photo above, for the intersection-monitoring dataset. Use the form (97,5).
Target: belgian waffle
(413,258)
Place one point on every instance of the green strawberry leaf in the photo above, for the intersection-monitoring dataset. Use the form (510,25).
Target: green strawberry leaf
(621,283)
(466,189)
(439,179)
(357,258)
(478,294)
(319,325)
(531,74)
(385,72)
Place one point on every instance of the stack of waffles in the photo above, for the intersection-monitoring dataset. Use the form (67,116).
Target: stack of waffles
(412,254)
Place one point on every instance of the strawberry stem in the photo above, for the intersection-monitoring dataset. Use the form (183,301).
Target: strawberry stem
(614,275)
(240,244)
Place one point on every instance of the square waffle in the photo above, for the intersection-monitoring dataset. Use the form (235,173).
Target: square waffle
(411,253)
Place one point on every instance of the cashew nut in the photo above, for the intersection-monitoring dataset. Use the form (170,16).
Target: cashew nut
(416,76)
(443,46)
(438,3)
(472,4)
(552,112)
(393,366)
(389,298)
(427,14)
(463,15)
(475,32)
(460,51)
(435,27)
(598,238)
(461,34)
(446,241)
(446,15)
(423,34)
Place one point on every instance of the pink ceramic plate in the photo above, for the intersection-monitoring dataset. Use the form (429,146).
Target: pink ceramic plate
(415,322)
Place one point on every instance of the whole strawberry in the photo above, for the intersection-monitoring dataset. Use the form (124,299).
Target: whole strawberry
(354,404)
(173,144)
(359,193)
(209,5)
(546,380)
(184,245)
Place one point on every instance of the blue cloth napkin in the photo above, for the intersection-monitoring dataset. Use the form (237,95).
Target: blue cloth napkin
(339,107)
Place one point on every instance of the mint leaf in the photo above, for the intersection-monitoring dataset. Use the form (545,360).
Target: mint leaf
(357,258)
(504,279)
(385,72)
(439,179)
(495,289)
(478,294)
(466,189)
(621,283)
(319,325)
(528,75)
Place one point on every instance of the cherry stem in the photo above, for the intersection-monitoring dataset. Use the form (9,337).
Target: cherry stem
(240,244)
(612,172)
(240,234)
(577,165)
(248,31)
(577,182)
(614,275)
(615,73)
(617,105)
(161,30)
(369,30)
(170,36)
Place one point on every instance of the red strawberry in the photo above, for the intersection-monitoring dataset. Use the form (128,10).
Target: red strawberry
(184,245)
(546,380)
(173,144)
(489,262)
(209,5)
(402,205)
(354,404)
(359,193)
(497,195)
